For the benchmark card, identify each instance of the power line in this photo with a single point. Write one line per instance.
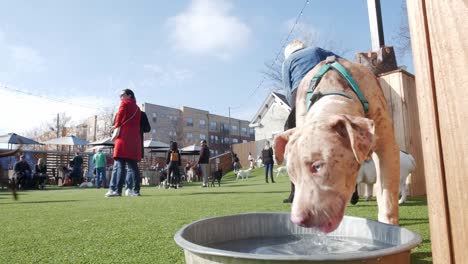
(282, 46)
(46, 98)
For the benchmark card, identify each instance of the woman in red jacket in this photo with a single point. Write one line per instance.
(127, 149)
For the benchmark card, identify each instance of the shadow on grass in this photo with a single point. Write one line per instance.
(200, 193)
(40, 202)
(413, 221)
(419, 257)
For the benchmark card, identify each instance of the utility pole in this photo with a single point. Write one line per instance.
(375, 23)
(382, 58)
(58, 125)
(95, 127)
(229, 130)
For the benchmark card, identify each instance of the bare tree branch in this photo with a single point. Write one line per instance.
(403, 38)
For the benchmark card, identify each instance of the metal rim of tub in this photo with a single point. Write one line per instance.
(414, 240)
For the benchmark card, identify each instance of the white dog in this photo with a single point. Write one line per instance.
(281, 171)
(244, 174)
(368, 176)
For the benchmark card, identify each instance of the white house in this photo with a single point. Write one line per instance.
(271, 117)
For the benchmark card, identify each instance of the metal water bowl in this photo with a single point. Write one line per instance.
(273, 238)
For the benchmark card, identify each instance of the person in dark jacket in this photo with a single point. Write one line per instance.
(267, 156)
(40, 175)
(173, 162)
(204, 162)
(23, 173)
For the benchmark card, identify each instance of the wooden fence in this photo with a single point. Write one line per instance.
(439, 34)
(400, 92)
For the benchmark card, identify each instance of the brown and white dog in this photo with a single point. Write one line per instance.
(330, 143)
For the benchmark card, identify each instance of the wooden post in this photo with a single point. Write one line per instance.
(439, 33)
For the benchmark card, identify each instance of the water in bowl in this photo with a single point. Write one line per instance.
(301, 245)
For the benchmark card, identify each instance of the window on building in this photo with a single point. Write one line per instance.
(172, 133)
(222, 141)
(154, 119)
(189, 137)
(235, 140)
(252, 131)
(244, 131)
(202, 137)
(234, 129)
(212, 139)
(202, 123)
(213, 126)
(189, 121)
(226, 140)
(216, 140)
(244, 141)
(153, 131)
(224, 128)
(154, 114)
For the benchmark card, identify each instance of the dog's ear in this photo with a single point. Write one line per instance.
(280, 144)
(359, 131)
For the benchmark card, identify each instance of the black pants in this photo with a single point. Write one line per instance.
(173, 174)
(291, 123)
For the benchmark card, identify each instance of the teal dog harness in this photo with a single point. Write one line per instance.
(331, 63)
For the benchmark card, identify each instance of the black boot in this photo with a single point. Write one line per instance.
(355, 197)
(291, 194)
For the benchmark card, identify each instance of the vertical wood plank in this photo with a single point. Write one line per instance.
(425, 91)
(417, 182)
(448, 34)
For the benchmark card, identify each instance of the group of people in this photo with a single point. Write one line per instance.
(26, 178)
(174, 161)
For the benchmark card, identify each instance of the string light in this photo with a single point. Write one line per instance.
(46, 98)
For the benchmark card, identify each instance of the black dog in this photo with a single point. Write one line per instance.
(217, 175)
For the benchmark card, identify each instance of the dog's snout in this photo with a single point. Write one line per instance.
(301, 219)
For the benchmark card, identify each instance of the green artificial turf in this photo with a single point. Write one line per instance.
(72, 225)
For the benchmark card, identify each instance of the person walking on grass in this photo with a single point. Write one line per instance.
(173, 162)
(267, 154)
(204, 162)
(99, 160)
(127, 149)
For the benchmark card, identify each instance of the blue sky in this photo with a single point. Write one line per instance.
(76, 56)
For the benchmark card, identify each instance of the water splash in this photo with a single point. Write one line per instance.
(310, 244)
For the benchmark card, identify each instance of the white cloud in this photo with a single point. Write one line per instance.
(207, 27)
(163, 75)
(27, 59)
(19, 58)
(22, 112)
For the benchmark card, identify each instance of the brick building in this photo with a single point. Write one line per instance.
(189, 125)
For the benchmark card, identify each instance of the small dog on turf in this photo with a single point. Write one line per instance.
(243, 174)
(217, 175)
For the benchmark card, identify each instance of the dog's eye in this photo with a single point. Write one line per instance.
(316, 167)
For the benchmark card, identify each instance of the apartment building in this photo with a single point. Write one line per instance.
(189, 125)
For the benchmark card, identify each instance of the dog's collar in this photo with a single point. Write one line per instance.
(312, 97)
(331, 63)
